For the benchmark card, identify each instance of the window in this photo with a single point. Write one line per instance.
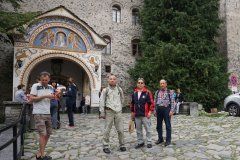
(108, 69)
(116, 13)
(135, 16)
(107, 49)
(136, 47)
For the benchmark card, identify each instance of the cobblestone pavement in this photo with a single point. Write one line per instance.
(193, 138)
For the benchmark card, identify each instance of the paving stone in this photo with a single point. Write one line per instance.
(56, 155)
(225, 154)
(169, 158)
(91, 158)
(215, 147)
(192, 138)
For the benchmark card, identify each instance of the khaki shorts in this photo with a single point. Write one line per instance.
(43, 124)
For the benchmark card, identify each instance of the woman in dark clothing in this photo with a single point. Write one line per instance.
(178, 100)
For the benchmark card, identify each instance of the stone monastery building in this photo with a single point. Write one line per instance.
(88, 39)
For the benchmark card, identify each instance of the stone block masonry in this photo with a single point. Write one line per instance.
(6, 68)
(98, 15)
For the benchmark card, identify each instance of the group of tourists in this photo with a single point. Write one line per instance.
(142, 107)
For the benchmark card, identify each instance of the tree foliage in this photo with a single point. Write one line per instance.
(178, 45)
(13, 19)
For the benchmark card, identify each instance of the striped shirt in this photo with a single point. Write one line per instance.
(161, 98)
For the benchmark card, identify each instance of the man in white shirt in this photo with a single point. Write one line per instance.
(41, 94)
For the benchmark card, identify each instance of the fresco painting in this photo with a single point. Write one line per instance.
(60, 38)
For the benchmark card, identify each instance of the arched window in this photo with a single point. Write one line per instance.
(107, 49)
(116, 13)
(135, 16)
(136, 47)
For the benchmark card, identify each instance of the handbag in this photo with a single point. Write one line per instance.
(131, 126)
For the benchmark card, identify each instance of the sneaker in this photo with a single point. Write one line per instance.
(149, 145)
(106, 150)
(123, 149)
(139, 145)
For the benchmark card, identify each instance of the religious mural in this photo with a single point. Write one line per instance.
(63, 22)
(60, 38)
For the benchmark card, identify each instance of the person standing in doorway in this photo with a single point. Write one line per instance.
(87, 104)
(71, 100)
(164, 110)
(142, 106)
(20, 95)
(41, 94)
(111, 103)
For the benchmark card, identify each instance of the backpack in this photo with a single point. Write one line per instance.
(107, 90)
(106, 94)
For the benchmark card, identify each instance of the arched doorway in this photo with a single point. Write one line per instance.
(60, 70)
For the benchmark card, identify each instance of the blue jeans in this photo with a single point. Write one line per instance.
(163, 114)
(70, 107)
(54, 115)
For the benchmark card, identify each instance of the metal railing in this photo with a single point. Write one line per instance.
(18, 128)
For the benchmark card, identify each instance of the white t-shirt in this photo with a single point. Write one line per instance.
(43, 106)
(139, 94)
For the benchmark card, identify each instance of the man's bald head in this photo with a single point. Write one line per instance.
(112, 80)
(163, 84)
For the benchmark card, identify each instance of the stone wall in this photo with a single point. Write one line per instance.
(98, 14)
(232, 11)
(6, 68)
(221, 40)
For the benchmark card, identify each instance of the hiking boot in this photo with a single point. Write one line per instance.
(159, 142)
(167, 144)
(139, 145)
(149, 145)
(123, 149)
(106, 150)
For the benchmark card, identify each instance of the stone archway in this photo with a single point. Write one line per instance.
(34, 62)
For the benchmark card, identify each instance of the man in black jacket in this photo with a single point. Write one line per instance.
(71, 100)
(142, 106)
